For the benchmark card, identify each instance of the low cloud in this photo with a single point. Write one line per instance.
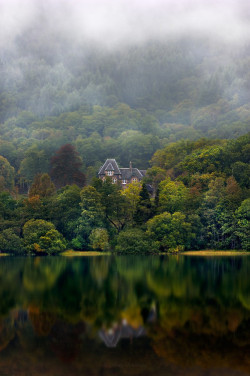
(113, 22)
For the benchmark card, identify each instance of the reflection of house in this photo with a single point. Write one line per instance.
(124, 175)
(127, 329)
(112, 336)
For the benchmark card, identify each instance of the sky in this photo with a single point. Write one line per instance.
(114, 22)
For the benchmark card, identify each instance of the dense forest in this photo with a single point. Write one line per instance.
(200, 200)
(178, 107)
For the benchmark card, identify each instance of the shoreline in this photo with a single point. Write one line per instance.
(214, 253)
(205, 253)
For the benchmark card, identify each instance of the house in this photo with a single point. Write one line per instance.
(123, 175)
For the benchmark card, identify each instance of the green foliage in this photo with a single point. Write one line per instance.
(41, 237)
(51, 243)
(35, 162)
(132, 241)
(114, 204)
(64, 209)
(132, 195)
(99, 239)
(10, 242)
(170, 232)
(243, 224)
(144, 208)
(173, 196)
(7, 174)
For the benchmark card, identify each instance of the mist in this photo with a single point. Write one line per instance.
(185, 62)
(112, 23)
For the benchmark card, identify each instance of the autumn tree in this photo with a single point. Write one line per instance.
(65, 167)
(42, 186)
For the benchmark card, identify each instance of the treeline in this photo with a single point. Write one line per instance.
(98, 133)
(201, 200)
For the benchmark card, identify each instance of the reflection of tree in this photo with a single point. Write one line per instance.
(42, 321)
(190, 307)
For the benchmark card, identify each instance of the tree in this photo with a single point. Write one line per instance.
(7, 174)
(173, 196)
(66, 164)
(35, 162)
(99, 239)
(171, 232)
(144, 207)
(132, 194)
(133, 241)
(41, 237)
(92, 216)
(115, 205)
(65, 210)
(243, 224)
(52, 242)
(154, 176)
(11, 242)
(42, 186)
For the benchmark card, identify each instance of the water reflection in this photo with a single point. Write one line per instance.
(125, 316)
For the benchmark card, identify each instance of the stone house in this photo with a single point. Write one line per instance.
(123, 175)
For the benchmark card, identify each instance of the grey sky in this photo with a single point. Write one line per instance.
(117, 21)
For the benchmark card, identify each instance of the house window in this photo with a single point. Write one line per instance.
(124, 181)
(114, 180)
(109, 173)
(134, 180)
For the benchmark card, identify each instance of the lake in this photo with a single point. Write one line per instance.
(125, 315)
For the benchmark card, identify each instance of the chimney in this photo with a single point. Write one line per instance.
(130, 166)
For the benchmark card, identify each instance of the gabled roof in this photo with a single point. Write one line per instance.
(110, 165)
(127, 173)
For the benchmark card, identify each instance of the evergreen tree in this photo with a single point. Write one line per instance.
(144, 207)
(66, 164)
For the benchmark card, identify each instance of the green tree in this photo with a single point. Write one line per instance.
(10, 242)
(64, 210)
(170, 232)
(41, 236)
(144, 207)
(7, 174)
(132, 195)
(92, 216)
(35, 162)
(51, 243)
(115, 206)
(173, 196)
(134, 241)
(99, 239)
(243, 224)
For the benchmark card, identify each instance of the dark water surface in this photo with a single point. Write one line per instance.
(125, 315)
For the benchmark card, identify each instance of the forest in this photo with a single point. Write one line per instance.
(200, 200)
(178, 107)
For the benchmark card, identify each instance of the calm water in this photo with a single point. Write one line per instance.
(125, 316)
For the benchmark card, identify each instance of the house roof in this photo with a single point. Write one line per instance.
(110, 165)
(127, 173)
